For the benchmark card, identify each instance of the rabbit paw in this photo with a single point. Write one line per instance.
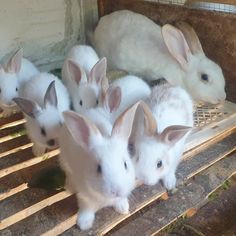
(38, 150)
(170, 181)
(122, 206)
(85, 220)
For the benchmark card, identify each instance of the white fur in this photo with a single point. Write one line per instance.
(10, 81)
(108, 149)
(134, 43)
(87, 90)
(170, 106)
(85, 56)
(48, 117)
(133, 89)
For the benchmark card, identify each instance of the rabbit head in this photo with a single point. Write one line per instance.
(43, 123)
(9, 82)
(154, 153)
(106, 161)
(203, 78)
(87, 90)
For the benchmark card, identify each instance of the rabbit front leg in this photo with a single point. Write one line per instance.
(170, 180)
(86, 215)
(122, 206)
(38, 150)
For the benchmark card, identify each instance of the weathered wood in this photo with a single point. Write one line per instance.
(215, 30)
(189, 195)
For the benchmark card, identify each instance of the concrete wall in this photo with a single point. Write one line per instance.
(46, 29)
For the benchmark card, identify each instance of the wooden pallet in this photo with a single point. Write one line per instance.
(209, 159)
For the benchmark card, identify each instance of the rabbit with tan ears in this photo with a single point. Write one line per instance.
(85, 92)
(102, 174)
(13, 76)
(43, 100)
(134, 43)
(159, 134)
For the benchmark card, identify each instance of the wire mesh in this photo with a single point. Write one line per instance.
(219, 7)
(206, 114)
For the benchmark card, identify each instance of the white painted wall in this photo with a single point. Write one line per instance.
(46, 29)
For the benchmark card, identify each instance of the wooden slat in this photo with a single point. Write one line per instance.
(10, 119)
(189, 195)
(32, 209)
(27, 163)
(13, 191)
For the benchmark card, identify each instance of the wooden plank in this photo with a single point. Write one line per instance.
(192, 194)
(12, 131)
(32, 209)
(28, 163)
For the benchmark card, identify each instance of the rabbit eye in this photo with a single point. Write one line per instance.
(0, 90)
(159, 164)
(43, 132)
(125, 165)
(16, 89)
(81, 103)
(99, 169)
(97, 101)
(204, 78)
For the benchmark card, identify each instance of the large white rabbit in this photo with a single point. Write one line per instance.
(13, 76)
(43, 100)
(134, 43)
(84, 90)
(159, 135)
(98, 164)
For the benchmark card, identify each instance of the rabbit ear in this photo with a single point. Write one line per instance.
(51, 95)
(112, 98)
(191, 37)
(76, 72)
(29, 107)
(176, 45)
(124, 123)
(14, 64)
(149, 120)
(81, 128)
(174, 133)
(98, 72)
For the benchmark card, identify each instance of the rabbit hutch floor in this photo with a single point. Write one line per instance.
(209, 160)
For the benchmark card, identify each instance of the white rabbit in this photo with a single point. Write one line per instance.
(159, 143)
(132, 89)
(44, 98)
(98, 164)
(13, 76)
(134, 43)
(84, 91)
(83, 55)
(120, 95)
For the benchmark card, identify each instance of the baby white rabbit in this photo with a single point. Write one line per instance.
(83, 55)
(13, 76)
(98, 164)
(44, 98)
(84, 91)
(159, 143)
(132, 89)
(134, 43)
